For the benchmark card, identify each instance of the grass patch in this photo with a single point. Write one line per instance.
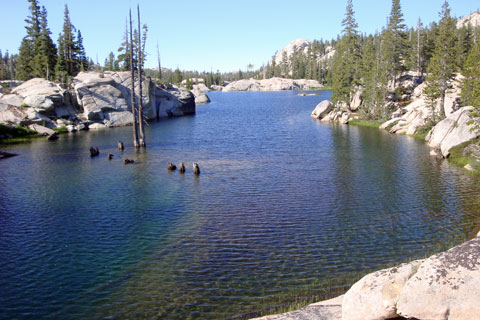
(320, 88)
(60, 130)
(366, 123)
(422, 133)
(458, 158)
(16, 134)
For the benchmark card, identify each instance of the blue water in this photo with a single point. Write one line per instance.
(283, 202)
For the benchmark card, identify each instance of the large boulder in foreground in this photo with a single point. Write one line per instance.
(443, 286)
(452, 131)
(446, 286)
(322, 109)
(375, 296)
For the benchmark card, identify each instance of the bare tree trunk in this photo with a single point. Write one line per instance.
(419, 64)
(132, 89)
(140, 100)
(159, 65)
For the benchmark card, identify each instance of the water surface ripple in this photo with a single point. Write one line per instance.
(283, 202)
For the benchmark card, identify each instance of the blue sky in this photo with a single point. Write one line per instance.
(213, 34)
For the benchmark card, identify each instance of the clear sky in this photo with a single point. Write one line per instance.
(213, 34)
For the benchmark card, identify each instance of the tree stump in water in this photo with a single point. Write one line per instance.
(196, 169)
(181, 167)
(171, 167)
(120, 145)
(110, 156)
(127, 161)
(94, 151)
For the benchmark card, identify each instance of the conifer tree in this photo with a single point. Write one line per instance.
(82, 60)
(346, 61)
(30, 43)
(443, 63)
(124, 52)
(465, 43)
(46, 54)
(61, 73)
(69, 44)
(395, 43)
(471, 83)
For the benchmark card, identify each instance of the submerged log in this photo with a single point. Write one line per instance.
(94, 151)
(196, 169)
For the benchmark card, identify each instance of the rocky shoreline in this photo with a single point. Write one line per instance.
(94, 101)
(412, 117)
(273, 84)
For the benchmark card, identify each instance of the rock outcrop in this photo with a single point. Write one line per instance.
(322, 109)
(273, 84)
(375, 296)
(200, 92)
(98, 100)
(446, 286)
(324, 310)
(417, 115)
(443, 286)
(453, 131)
(106, 98)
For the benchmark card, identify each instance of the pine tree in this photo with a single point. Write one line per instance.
(465, 43)
(30, 43)
(61, 73)
(395, 44)
(82, 60)
(443, 63)
(471, 83)
(346, 61)
(46, 54)
(124, 52)
(69, 44)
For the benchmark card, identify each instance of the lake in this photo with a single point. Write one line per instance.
(285, 208)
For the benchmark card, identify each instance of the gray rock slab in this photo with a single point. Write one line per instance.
(446, 286)
(325, 310)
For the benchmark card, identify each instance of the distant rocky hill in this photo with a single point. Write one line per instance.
(301, 59)
(301, 45)
(273, 84)
(472, 19)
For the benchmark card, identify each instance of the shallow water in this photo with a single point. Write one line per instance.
(282, 201)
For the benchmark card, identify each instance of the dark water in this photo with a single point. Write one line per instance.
(283, 201)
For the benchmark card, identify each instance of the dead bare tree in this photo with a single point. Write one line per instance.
(132, 88)
(140, 80)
